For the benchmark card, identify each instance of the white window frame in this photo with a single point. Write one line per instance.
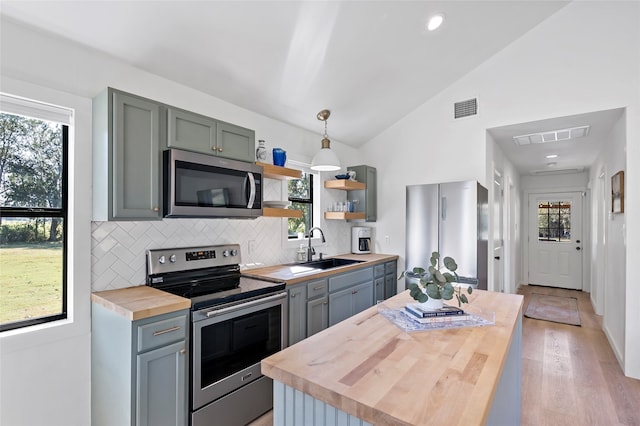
(78, 321)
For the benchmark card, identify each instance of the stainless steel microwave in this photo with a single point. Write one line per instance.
(201, 185)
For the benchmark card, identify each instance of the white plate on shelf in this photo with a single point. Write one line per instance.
(276, 204)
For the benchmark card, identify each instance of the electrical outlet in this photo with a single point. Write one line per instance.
(251, 246)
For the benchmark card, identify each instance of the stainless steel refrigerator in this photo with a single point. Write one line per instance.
(451, 218)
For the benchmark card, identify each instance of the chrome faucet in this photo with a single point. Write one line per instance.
(311, 251)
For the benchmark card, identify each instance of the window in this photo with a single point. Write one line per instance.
(554, 221)
(33, 213)
(301, 197)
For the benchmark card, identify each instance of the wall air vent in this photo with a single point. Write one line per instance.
(465, 108)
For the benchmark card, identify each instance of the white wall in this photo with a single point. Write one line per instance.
(44, 373)
(609, 257)
(584, 58)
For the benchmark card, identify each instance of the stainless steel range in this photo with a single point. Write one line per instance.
(235, 322)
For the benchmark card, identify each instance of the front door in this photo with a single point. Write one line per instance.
(555, 239)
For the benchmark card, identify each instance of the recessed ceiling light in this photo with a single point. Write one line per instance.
(552, 156)
(435, 21)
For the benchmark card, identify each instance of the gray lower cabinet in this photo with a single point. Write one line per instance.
(390, 280)
(350, 293)
(139, 369)
(367, 198)
(297, 298)
(128, 133)
(317, 306)
(195, 132)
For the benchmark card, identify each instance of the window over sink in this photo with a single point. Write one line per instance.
(301, 194)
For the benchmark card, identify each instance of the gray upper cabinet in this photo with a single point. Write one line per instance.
(368, 197)
(195, 132)
(127, 138)
(236, 142)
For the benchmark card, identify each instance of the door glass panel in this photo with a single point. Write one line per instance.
(554, 221)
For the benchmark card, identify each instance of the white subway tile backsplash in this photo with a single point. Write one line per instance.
(118, 248)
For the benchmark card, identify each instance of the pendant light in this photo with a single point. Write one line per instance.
(325, 160)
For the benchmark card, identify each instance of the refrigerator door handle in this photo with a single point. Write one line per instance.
(444, 208)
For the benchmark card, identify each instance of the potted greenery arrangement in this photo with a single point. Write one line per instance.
(435, 284)
(300, 230)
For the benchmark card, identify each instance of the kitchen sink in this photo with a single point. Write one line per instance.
(329, 263)
(320, 265)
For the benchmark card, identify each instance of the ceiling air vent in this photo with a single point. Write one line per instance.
(465, 108)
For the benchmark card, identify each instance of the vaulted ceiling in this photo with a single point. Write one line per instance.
(369, 62)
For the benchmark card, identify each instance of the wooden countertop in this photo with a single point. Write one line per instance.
(140, 302)
(286, 272)
(369, 368)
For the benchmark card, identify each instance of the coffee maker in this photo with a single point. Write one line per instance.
(360, 240)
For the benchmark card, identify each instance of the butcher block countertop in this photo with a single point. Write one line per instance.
(371, 369)
(140, 302)
(285, 272)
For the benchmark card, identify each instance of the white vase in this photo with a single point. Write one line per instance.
(432, 304)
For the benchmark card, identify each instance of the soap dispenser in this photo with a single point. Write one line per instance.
(302, 254)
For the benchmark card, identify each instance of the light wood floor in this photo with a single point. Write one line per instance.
(570, 375)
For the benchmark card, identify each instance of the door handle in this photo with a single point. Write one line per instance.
(578, 248)
(496, 257)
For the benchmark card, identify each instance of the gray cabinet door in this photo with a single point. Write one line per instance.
(317, 315)
(136, 158)
(297, 313)
(190, 131)
(378, 290)
(362, 297)
(236, 142)
(390, 280)
(350, 301)
(339, 306)
(390, 287)
(161, 383)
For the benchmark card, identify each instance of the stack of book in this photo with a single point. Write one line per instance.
(445, 314)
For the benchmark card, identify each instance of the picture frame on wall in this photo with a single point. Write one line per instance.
(617, 192)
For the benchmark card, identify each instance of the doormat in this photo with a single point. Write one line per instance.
(559, 309)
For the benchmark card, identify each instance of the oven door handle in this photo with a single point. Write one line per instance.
(259, 301)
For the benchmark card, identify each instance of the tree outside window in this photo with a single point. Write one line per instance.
(33, 162)
(301, 197)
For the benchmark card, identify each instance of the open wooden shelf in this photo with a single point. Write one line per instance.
(274, 212)
(277, 172)
(344, 215)
(344, 184)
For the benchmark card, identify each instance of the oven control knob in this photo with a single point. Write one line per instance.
(172, 258)
(225, 253)
(234, 252)
(162, 260)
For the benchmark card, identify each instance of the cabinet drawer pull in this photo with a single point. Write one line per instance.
(320, 287)
(155, 209)
(293, 295)
(220, 149)
(183, 351)
(246, 376)
(168, 330)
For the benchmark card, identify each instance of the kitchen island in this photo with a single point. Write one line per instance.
(365, 370)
